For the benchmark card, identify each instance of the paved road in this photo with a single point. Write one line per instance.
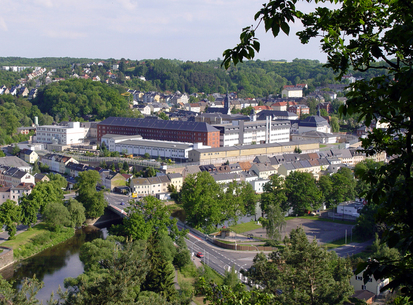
(220, 260)
(323, 231)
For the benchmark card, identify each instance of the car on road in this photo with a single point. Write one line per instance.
(200, 255)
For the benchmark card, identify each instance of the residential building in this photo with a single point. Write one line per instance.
(150, 186)
(40, 178)
(372, 284)
(155, 129)
(258, 185)
(13, 161)
(225, 178)
(57, 163)
(299, 109)
(314, 123)
(15, 192)
(177, 180)
(110, 179)
(12, 176)
(263, 171)
(28, 155)
(73, 169)
(292, 92)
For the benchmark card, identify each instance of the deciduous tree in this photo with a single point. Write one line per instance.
(302, 272)
(302, 192)
(365, 36)
(93, 201)
(201, 199)
(10, 215)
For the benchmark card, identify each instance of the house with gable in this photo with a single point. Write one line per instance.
(13, 161)
(12, 176)
(177, 180)
(263, 171)
(28, 155)
(111, 179)
(57, 163)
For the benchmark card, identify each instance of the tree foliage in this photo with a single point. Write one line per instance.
(207, 205)
(93, 201)
(303, 273)
(365, 36)
(10, 215)
(145, 217)
(302, 192)
(56, 215)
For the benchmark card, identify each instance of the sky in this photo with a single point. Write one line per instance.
(139, 29)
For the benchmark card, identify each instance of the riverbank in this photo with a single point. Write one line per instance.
(39, 238)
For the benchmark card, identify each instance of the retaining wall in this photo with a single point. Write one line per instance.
(6, 256)
(241, 247)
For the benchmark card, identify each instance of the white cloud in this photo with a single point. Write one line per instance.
(3, 25)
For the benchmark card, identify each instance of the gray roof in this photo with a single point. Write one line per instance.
(225, 176)
(313, 121)
(192, 169)
(174, 175)
(341, 153)
(275, 114)
(156, 143)
(13, 162)
(158, 124)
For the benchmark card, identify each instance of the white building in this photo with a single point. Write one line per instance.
(314, 123)
(135, 145)
(254, 132)
(292, 92)
(64, 135)
(351, 208)
(258, 185)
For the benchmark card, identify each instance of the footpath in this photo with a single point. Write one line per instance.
(4, 236)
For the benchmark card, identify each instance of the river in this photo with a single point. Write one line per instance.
(54, 264)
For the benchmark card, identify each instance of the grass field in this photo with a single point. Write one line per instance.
(36, 240)
(25, 237)
(318, 218)
(244, 227)
(341, 242)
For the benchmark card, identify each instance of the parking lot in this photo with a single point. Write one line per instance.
(323, 231)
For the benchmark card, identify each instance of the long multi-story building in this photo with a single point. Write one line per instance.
(255, 132)
(71, 134)
(149, 128)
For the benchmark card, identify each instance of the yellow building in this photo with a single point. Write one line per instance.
(244, 153)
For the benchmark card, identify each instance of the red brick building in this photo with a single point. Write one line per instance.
(299, 109)
(156, 129)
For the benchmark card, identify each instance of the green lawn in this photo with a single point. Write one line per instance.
(345, 222)
(25, 237)
(341, 242)
(36, 240)
(244, 227)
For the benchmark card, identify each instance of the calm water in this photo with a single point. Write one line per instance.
(54, 264)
